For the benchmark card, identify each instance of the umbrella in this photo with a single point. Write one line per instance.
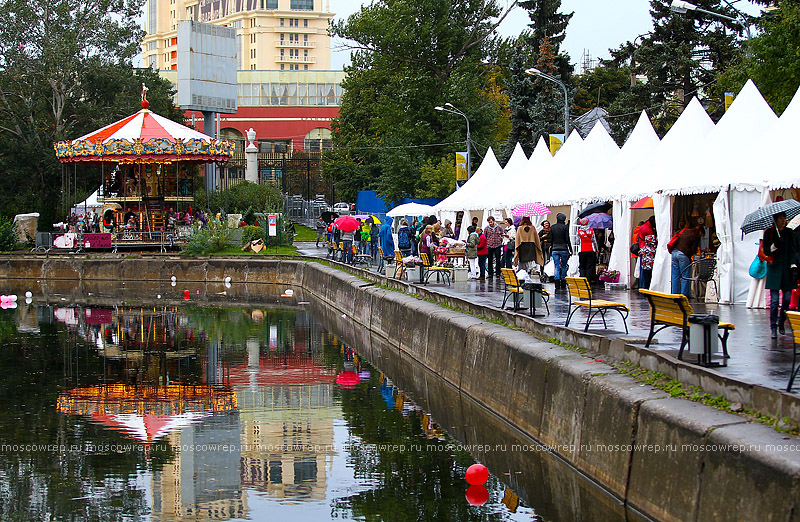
(762, 218)
(411, 209)
(367, 217)
(346, 223)
(329, 216)
(530, 210)
(645, 202)
(347, 379)
(600, 220)
(602, 206)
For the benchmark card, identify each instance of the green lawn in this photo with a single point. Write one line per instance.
(303, 233)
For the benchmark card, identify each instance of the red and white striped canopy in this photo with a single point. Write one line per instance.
(144, 137)
(144, 125)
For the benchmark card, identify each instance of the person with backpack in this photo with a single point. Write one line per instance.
(404, 243)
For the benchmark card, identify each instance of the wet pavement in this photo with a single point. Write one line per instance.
(755, 357)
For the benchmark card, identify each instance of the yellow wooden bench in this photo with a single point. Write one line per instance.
(581, 296)
(433, 269)
(794, 322)
(513, 287)
(674, 310)
(399, 267)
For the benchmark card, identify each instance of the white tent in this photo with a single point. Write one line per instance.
(671, 154)
(598, 151)
(729, 165)
(470, 194)
(411, 209)
(563, 169)
(634, 153)
(88, 205)
(525, 186)
(779, 158)
(496, 195)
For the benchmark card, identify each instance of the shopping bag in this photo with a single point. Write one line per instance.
(758, 268)
(674, 240)
(637, 271)
(795, 300)
(573, 266)
(550, 268)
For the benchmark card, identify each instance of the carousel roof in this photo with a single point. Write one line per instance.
(144, 137)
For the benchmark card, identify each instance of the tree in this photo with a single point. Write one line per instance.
(534, 102)
(65, 69)
(437, 179)
(772, 59)
(680, 59)
(548, 23)
(408, 58)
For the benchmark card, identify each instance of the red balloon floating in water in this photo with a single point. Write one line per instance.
(477, 495)
(477, 474)
(186, 295)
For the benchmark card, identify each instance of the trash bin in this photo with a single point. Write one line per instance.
(703, 334)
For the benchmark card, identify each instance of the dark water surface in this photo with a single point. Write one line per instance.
(182, 412)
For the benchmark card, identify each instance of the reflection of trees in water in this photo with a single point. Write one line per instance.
(425, 481)
(41, 484)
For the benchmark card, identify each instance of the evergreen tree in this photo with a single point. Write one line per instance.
(534, 102)
(548, 23)
(680, 59)
(772, 60)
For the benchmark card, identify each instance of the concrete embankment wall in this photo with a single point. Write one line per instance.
(667, 458)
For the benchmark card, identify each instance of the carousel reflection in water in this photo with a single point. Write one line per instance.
(235, 414)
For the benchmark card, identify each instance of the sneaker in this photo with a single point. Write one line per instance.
(774, 333)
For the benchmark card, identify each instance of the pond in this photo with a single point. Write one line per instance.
(185, 412)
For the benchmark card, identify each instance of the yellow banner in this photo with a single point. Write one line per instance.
(461, 166)
(555, 143)
(729, 96)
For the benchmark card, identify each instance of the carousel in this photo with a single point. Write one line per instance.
(147, 412)
(144, 162)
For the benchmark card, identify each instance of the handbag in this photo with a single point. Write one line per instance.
(758, 268)
(671, 244)
(550, 268)
(635, 249)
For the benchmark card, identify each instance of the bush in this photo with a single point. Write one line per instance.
(250, 233)
(242, 198)
(8, 238)
(214, 238)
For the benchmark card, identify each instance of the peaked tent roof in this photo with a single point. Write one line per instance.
(573, 171)
(524, 188)
(780, 155)
(569, 154)
(635, 153)
(496, 194)
(672, 153)
(729, 154)
(488, 172)
(599, 149)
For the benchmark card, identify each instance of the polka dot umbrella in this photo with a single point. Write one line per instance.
(530, 210)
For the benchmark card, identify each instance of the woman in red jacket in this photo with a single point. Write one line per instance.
(483, 253)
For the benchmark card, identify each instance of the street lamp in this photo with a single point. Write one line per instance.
(448, 107)
(533, 71)
(681, 7)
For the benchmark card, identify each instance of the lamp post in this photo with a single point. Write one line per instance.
(681, 7)
(533, 71)
(448, 107)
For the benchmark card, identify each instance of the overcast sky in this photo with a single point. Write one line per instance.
(596, 26)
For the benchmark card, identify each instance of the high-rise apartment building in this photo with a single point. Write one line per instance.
(286, 35)
(287, 91)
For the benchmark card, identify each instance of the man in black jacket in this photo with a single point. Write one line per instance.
(561, 249)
